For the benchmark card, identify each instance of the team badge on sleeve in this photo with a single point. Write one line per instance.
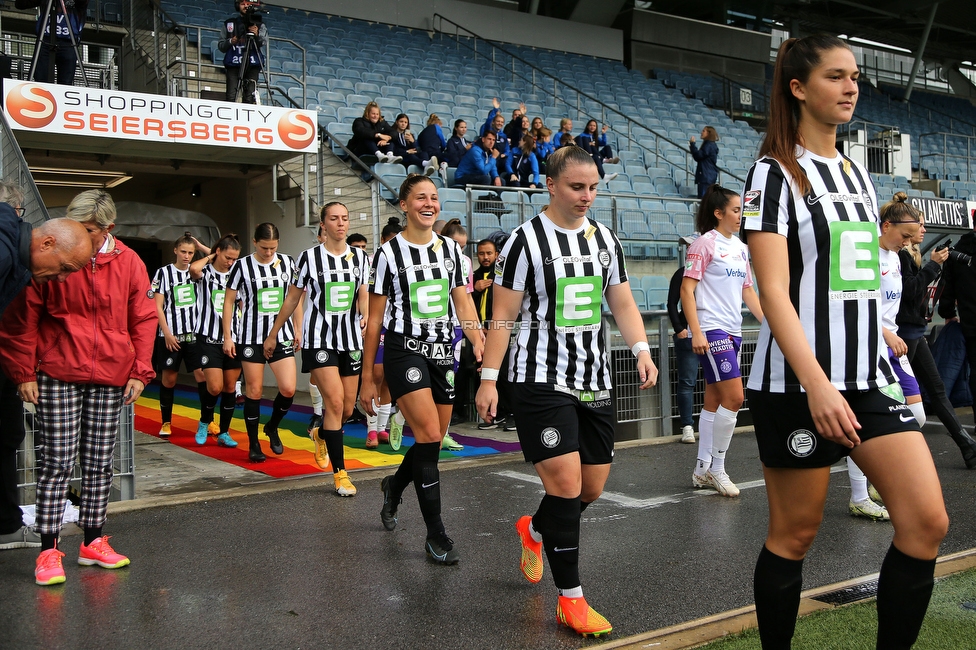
(500, 265)
(751, 202)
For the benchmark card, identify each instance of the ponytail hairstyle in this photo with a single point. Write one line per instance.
(228, 241)
(716, 198)
(325, 209)
(369, 107)
(453, 227)
(391, 228)
(563, 157)
(185, 239)
(412, 181)
(266, 231)
(796, 59)
(434, 119)
(528, 143)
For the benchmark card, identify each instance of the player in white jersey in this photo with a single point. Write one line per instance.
(221, 372)
(717, 280)
(550, 280)
(334, 275)
(176, 309)
(821, 386)
(260, 281)
(417, 292)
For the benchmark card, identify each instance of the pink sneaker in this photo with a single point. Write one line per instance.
(384, 437)
(372, 440)
(99, 552)
(48, 570)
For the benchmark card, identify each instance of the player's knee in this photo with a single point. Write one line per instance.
(589, 495)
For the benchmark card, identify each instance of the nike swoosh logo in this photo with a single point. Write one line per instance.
(427, 485)
(884, 273)
(560, 550)
(549, 260)
(442, 556)
(901, 416)
(813, 200)
(251, 419)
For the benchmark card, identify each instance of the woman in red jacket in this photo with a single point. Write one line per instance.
(79, 349)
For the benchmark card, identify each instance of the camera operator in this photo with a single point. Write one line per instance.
(959, 292)
(65, 58)
(242, 42)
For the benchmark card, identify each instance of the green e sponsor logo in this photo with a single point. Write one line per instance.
(428, 299)
(270, 300)
(854, 260)
(578, 301)
(184, 295)
(217, 298)
(339, 296)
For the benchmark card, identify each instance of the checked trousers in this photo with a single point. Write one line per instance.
(75, 421)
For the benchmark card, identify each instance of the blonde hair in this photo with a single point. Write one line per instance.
(369, 107)
(94, 206)
(434, 119)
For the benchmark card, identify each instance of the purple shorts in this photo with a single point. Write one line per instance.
(458, 338)
(721, 362)
(904, 374)
(379, 350)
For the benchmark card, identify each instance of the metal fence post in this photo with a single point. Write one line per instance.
(664, 375)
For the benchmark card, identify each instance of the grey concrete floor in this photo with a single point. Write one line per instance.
(301, 567)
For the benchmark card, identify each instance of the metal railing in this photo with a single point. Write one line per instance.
(880, 142)
(555, 82)
(97, 74)
(941, 146)
(13, 169)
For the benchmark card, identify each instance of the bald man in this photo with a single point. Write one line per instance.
(51, 251)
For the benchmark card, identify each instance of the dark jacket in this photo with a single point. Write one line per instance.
(912, 318)
(234, 54)
(364, 131)
(960, 287)
(76, 18)
(400, 144)
(675, 315)
(15, 238)
(455, 150)
(431, 142)
(707, 171)
(482, 299)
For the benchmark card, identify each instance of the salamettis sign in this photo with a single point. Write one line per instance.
(948, 213)
(71, 110)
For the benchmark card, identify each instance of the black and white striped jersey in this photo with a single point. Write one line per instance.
(417, 281)
(332, 282)
(261, 289)
(563, 275)
(835, 274)
(179, 299)
(210, 304)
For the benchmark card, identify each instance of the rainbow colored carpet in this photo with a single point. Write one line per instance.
(297, 459)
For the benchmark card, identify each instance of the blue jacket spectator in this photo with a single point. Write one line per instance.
(496, 124)
(706, 174)
(457, 146)
(478, 167)
(525, 164)
(595, 142)
(431, 140)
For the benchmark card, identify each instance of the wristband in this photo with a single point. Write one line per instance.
(489, 374)
(640, 346)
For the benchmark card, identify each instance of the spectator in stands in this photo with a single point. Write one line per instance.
(242, 42)
(567, 140)
(431, 142)
(52, 250)
(515, 128)
(596, 143)
(63, 54)
(478, 165)
(525, 165)
(496, 124)
(543, 147)
(565, 126)
(537, 126)
(79, 388)
(405, 147)
(371, 136)
(457, 146)
(356, 240)
(707, 157)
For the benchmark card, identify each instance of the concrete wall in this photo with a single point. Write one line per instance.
(487, 22)
(659, 40)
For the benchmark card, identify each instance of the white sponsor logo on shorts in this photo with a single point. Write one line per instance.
(248, 352)
(321, 356)
(169, 361)
(802, 443)
(413, 375)
(550, 437)
(204, 359)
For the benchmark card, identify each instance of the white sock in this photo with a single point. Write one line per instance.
(919, 412)
(722, 428)
(316, 396)
(383, 416)
(371, 422)
(705, 424)
(859, 482)
(536, 535)
(575, 592)
(238, 388)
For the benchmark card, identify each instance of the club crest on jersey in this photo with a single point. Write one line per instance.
(751, 201)
(321, 356)
(248, 352)
(550, 437)
(604, 257)
(802, 443)
(449, 265)
(726, 367)
(866, 197)
(356, 271)
(413, 375)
